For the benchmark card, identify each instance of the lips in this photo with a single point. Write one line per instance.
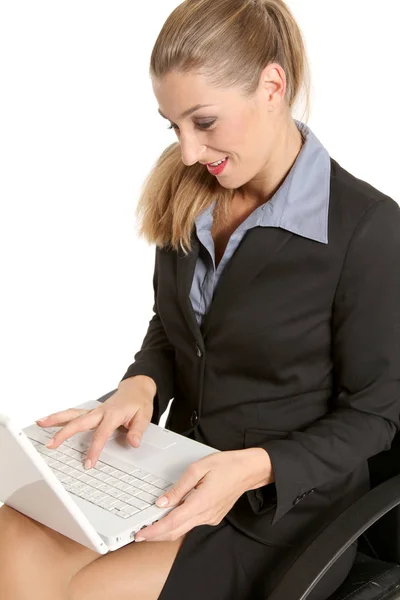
(219, 168)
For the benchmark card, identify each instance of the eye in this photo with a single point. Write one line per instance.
(200, 125)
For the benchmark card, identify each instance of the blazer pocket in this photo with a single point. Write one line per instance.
(254, 436)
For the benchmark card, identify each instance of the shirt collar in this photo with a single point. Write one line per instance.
(301, 203)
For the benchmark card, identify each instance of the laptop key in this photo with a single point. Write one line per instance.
(96, 494)
(102, 476)
(77, 485)
(145, 496)
(125, 514)
(73, 453)
(138, 503)
(146, 487)
(119, 505)
(125, 487)
(150, 478)
(62, 468)
(120, 485)
(124, 497)
(119, 513)
(114, 492)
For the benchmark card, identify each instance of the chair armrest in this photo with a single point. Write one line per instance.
(321, 550)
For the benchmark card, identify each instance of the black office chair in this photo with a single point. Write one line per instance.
(374, 519)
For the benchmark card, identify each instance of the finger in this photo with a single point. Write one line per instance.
(182, 519)
(139, 425)
(175, 523)
(59, 419)
(87, 421)
(172, 536)
(101, 436)
(181, 488)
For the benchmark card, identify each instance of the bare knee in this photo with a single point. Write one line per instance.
(41, 544)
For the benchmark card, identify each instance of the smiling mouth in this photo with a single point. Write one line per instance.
(210, 163)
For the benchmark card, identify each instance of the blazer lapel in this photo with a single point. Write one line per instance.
(257, 248)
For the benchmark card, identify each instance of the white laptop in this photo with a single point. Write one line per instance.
(102, 507)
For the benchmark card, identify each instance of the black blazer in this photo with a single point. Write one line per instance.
(299, 354)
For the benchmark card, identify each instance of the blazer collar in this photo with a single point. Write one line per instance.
(252, 255)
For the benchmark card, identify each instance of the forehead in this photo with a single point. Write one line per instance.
(179, 95)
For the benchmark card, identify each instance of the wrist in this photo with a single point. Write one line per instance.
(258, 467)
(145, 382)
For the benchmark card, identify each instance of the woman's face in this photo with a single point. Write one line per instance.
(247, 131)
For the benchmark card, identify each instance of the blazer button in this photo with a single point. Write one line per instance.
(296, 500)
(194, 418)
(198, 351)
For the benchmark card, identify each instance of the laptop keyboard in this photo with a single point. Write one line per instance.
(122, 493)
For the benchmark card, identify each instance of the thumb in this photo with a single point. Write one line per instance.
(178, 491)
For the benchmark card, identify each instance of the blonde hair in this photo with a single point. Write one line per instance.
(246, 36)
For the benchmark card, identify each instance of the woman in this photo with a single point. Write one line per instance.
(276, 329)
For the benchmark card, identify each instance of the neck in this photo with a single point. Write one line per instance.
(256, 193)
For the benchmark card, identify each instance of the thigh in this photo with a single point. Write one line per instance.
(137, 570)
(44, 548)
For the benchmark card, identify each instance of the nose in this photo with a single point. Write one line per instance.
(192, 152)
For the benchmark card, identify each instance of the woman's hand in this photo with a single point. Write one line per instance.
(131, 406)
(215, 481)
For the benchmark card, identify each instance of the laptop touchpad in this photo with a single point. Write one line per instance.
(153, 435)
(120, 446)
(158, 437)
(154, 439)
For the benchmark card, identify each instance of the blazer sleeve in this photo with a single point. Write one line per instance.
(156, 357)
(365, 330)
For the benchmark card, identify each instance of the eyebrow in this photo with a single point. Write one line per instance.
(189, 111)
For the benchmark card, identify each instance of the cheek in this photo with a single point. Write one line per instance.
(241, 136)
(233, 139)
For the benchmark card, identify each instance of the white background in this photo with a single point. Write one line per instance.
(79, 132)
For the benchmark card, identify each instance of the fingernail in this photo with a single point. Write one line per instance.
(137, 440)
(140, 539)
(49, 443)
(163, 501)
(88, 464)
(42, 419)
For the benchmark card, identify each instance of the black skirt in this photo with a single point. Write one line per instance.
(222, 563)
